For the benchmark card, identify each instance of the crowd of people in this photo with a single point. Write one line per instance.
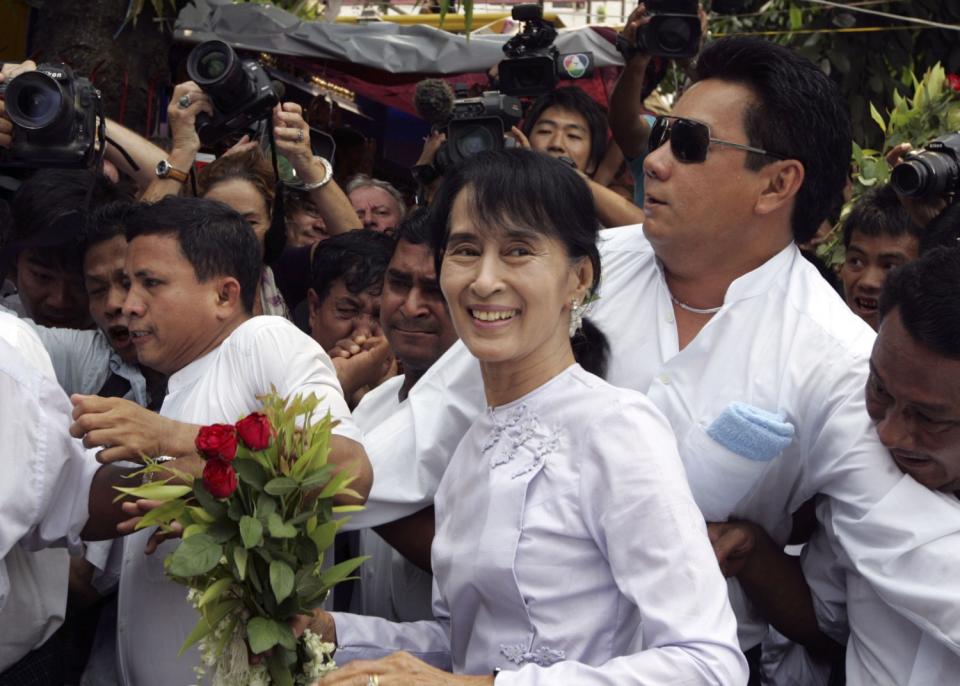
(600, 439)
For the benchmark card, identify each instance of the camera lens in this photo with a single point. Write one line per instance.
(674, 35)
(910, 177)
(36, 102)
(214, 67)
(473, 140)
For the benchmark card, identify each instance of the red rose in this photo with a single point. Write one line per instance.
(954, 81)
(254, 430)
(219, 478)
(217, 440)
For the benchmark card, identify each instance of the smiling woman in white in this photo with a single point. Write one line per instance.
(569, 549)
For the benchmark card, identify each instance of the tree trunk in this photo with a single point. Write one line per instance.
(81, 34)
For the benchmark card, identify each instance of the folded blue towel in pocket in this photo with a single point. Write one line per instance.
(750, 432)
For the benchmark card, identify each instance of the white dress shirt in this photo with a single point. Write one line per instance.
(44, 493)
(221, 387)
(785, 342)
(568, 551)
(390, 585)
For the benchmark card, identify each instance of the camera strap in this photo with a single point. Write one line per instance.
(275, 240)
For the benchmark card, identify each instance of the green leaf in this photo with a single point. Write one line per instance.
(281, 580)
(214, 507)
(796, 18)
(339, 572)
(323, 536)
(281, 486)
(280, 673)
(262, 634)
(195, 556)
(278, 529)
(318, 477)
(266, 506)
(251, 531)
(340, 480)
(250, 473)
(222, 531)
(240, 560)
(164, 514)
(208, 622)
(215, 590)
(155, 491)
(878, 118)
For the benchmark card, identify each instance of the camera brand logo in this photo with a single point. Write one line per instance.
(576, 65)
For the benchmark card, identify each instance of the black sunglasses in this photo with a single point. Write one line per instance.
(690, 139)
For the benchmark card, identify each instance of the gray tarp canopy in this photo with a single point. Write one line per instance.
(394, 48)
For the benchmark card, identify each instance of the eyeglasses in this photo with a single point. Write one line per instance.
(690, 139)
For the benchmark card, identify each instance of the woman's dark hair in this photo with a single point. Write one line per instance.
(925, 292)
(212, 237)
(358, 258)
(796, 112)
(573, 99)
(253, 167)
(540, 193)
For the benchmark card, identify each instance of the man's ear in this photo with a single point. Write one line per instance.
(228, 295)
(313, 307)
(782, 183)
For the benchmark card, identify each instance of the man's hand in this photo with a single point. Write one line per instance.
(9, 71)
(292, 136)
(921, 210)
(127, 431)
(362, 361)
(733, 543)
(431, 144)
(183, 120)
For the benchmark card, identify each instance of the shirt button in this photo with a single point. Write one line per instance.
(670, 318)
(664, 379)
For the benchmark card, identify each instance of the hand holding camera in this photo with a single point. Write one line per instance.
(186, 103)
(926, 180)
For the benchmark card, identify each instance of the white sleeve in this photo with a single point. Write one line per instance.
(901, 537)
(45, 489)
(77, 359)
(411, 451)
(641, 514)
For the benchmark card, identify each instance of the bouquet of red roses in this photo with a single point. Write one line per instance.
(255, 528)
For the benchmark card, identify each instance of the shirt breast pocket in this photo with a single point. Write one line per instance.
(719, 478)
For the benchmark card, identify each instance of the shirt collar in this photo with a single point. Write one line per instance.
(193, 371)
(758, 281)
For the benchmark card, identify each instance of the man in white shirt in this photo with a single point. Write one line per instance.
(193, 267)
(53, 494)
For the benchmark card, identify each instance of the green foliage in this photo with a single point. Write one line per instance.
(253, 560)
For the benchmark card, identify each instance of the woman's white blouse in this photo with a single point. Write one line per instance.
(568, 550)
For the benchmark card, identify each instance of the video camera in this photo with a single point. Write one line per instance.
(475, 125)
(54, 117)
(673, 32)
(533, 65)
(933, 171)
(241, 90)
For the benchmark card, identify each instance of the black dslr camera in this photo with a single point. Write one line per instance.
(533, 65)
(933, 171)
(475, 125)
(54, 117)
(241, 90)
(673, 32)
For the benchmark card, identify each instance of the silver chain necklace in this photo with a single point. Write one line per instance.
(695, 310)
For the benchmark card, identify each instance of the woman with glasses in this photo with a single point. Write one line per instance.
(568, 547)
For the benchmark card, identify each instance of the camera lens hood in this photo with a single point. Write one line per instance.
(36, 102)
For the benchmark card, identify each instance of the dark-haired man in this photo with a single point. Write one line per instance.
(192, 268)
(878, 236)
(344, 304)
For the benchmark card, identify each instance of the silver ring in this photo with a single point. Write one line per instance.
(299, 135)
(184, 101)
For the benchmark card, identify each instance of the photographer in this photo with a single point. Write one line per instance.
(629, 120)
(566, 123)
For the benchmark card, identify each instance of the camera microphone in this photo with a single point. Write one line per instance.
(433, 100)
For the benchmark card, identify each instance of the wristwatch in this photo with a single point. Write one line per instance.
(166, 170)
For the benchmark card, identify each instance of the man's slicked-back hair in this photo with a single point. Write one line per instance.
(879, 212)
(573, 99)
(925, 294)
(797, 112)
(358, 258)
(215, 239)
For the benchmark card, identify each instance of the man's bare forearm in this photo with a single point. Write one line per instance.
(612, 208)
(143, 154)
(105, 514)
(630, 131)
